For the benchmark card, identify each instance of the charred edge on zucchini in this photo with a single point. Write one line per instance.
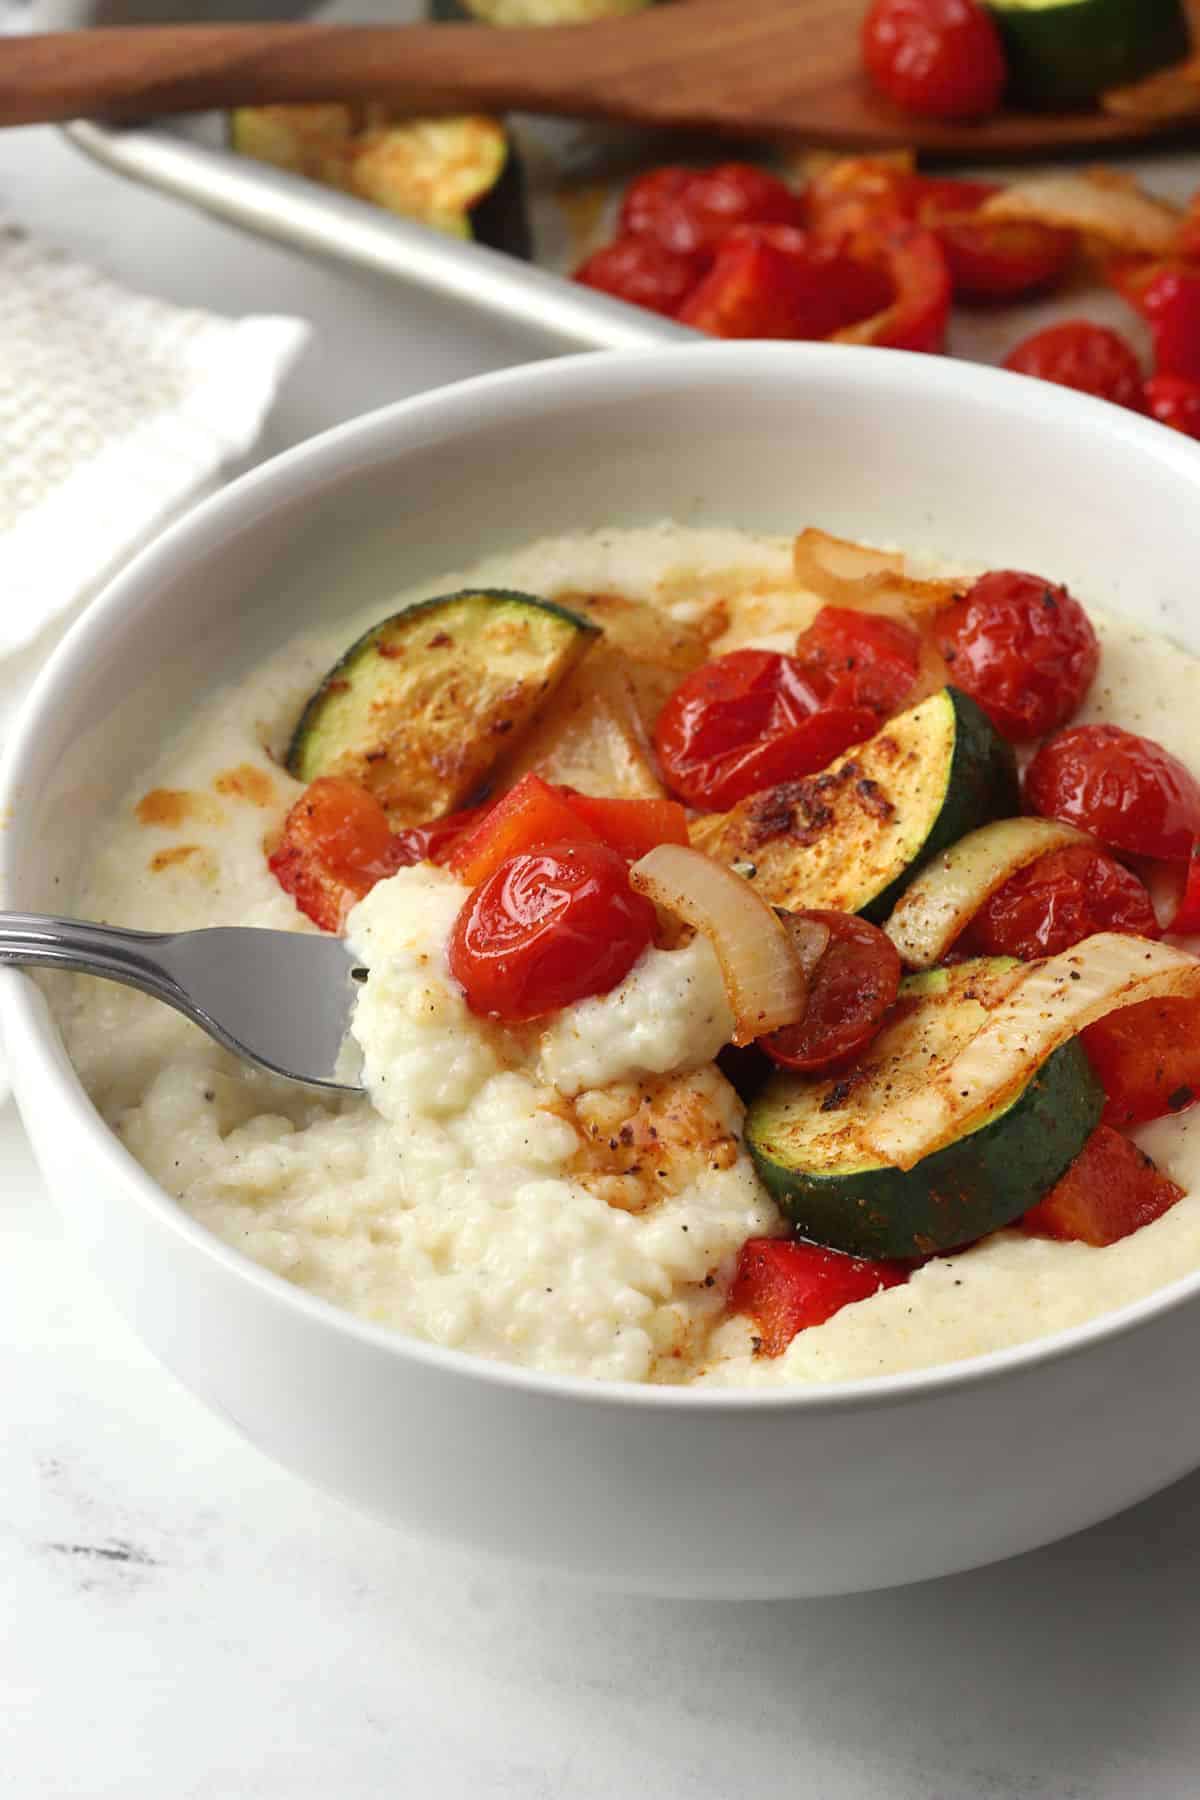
(422, 707)
(804, 1134)
(458, 175)
(854, 836)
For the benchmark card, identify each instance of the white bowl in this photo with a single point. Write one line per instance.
(657, 1489)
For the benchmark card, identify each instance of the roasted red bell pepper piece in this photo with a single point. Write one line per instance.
(632, 827)
(919, 311)
(772, 281)
(1147, 1058)
(1111, 1190)
(529, 817)
(786, 1287)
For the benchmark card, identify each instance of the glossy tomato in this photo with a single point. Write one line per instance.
(549, 927)
(786, 1287)
(867, 659)
(747, 721)
(1023, 648)
(941, 58)
(1077, 354)
(1147, 1058)
(643, 273)
(1062, 898)
(772, 281)
(1111, 1190)
(1124, 789)
(1003, 259)
(691, 210)
(335, 845)
(1187, 914)
(1174, 400)
(852, 990)
(1170, 301)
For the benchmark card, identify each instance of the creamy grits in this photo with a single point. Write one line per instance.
(571, 1194)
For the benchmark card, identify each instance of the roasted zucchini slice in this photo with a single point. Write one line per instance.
(456, 175)
(806, 1136)
(854, 836)
(422, 707)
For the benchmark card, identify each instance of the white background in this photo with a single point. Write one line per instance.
(179, 1619)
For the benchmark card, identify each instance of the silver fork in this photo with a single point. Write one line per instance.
(281, 999)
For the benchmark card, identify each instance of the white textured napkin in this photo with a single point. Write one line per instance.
(116, 411)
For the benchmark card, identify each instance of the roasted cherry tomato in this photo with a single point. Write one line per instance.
(941, 58)
(335, 845)
(1170, 301)
(747, 721)
(1062, 898)
(1077, 354)
(915, 264)
(434, 842)
(1174, 400)
(1023, 648)
(852, 990)
(690, 210)
(1147, 1058)
(1110, 1190)
(1003, 259)
(868, 660)
(772, 281)
(549, 927)
(1124, 789)
(786, 1287)
(1186, 922)
(641, 271)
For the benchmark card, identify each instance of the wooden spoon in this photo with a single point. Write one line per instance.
(751, 68)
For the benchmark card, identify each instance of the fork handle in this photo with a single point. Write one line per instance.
(134, 958)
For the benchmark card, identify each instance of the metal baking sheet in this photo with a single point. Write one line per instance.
(574, 173)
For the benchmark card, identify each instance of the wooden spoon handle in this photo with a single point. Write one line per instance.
(142, 71)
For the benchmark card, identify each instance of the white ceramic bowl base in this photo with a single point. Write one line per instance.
(661, 1490)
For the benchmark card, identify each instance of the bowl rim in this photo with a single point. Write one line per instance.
(410, 425)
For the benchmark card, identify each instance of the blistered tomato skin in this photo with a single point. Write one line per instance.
(941, 58)
(1065, 896)
(691, 210)
(1023, 648)
(869, 659)
(643, 273)
(1124, 789)
(548, 928)
(853, 988)
(1089, 358)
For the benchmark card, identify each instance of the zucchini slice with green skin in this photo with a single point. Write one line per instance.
(854, 836)
(1064, 52)
(806, 1136)
(458, 175)
(422, 706)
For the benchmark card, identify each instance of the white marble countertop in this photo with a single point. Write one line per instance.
(179, 1619)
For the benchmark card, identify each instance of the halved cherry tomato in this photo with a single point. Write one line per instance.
(1062, 898)
(1170, 300)
(1023, 648)
(940, 58)
(1174, 400)
(1111, 1190)
(1077, 354)
(547, 928)
(1124, 789)
(529, 816)
(641, 271)
(772, 281)
(747, 721)
(690, 210)
(335, 845)
(786, 1287)
(852, 990)
(919, 312)
(1147, 1058)
(631, 827)
(1186, 922)
(868, 659)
